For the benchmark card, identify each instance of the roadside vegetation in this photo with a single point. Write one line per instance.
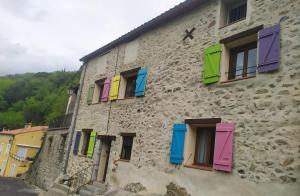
(35, 98)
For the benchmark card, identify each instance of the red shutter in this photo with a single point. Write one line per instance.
(105, 92)
(223, 147)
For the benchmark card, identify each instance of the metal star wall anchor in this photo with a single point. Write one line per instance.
(189, 34)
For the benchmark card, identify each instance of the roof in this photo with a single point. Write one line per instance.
(24, 130)
(165, 17)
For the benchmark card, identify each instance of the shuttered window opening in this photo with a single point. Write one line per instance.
(207, 144)
(99, 90)
(128, 83)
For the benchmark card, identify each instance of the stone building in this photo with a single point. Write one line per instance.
(51, 159)
(204, 97)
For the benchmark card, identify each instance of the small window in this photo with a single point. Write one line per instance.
(232, 11)
(7, 149)
(85, 141)
(205, 143)
(128, 83)
(237, 12)
(22, 153)
(126, 147)
(242, 62)
(50, 141)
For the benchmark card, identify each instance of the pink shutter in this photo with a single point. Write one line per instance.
(223, 147)
(105, 92)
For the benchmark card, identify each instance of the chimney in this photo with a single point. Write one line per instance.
(27, 125)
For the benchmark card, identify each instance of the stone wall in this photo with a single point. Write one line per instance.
(50, 161)
(265, 108)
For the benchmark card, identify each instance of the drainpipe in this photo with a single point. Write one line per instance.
(74, 117)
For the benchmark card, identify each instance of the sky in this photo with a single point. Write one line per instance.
(51, 35)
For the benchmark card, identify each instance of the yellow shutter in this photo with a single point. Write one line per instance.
(114, 88)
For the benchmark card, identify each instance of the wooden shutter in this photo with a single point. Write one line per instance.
(90, 94)
(105, 91)
(212, 57)
(268, 49)
(223, 147)
(177, 145)
(114, 88)
(92, 144)
(141, 82)
(77, 141)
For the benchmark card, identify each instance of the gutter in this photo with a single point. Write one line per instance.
(74, 118)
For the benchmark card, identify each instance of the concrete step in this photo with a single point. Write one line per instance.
(84, 192)
(61, 187)
(56, 192)
(99, 184)
(95, 189)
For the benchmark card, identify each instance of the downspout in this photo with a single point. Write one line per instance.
(117, 59)
(74, 117)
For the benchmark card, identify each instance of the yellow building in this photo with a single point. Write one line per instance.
(18, 149)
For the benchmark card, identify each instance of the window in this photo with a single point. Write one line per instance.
(98, 91)
(205, 142)
(22, 153)
(1, 147)
(232, 11)
(237, 12)
(85, 141)
(128, 83)
(126, 147)
(199, 144)
(242, 62)
(7, 149)
(50, 141)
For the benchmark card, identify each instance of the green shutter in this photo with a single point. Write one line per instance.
(212, 57)
(92, 144)
(90, 94)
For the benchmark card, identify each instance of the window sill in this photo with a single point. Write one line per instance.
(238, 79)
(81, 155)
(201, 167)
(226, 25)
(124, 160)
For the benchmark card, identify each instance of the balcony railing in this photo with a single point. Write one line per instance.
(61, 122)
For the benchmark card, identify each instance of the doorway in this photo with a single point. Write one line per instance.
(105, 146)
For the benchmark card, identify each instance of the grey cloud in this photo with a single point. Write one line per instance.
(51, 35)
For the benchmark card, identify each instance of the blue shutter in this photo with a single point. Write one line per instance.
(77, 141)
(176, 156)
(141, 82)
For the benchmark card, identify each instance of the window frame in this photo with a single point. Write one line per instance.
(100, 86)
(233, 57)
(130, 75)
(235, 5)
(190, 150)
(209, 151)
(85, 140)
(123, 156)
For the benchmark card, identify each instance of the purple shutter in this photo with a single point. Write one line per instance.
(105, 91)
(268, 49)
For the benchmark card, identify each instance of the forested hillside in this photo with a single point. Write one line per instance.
(36, 98)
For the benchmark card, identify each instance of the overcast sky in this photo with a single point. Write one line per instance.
(50, 35)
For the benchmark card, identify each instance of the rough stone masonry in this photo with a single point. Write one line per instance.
(265, 108)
